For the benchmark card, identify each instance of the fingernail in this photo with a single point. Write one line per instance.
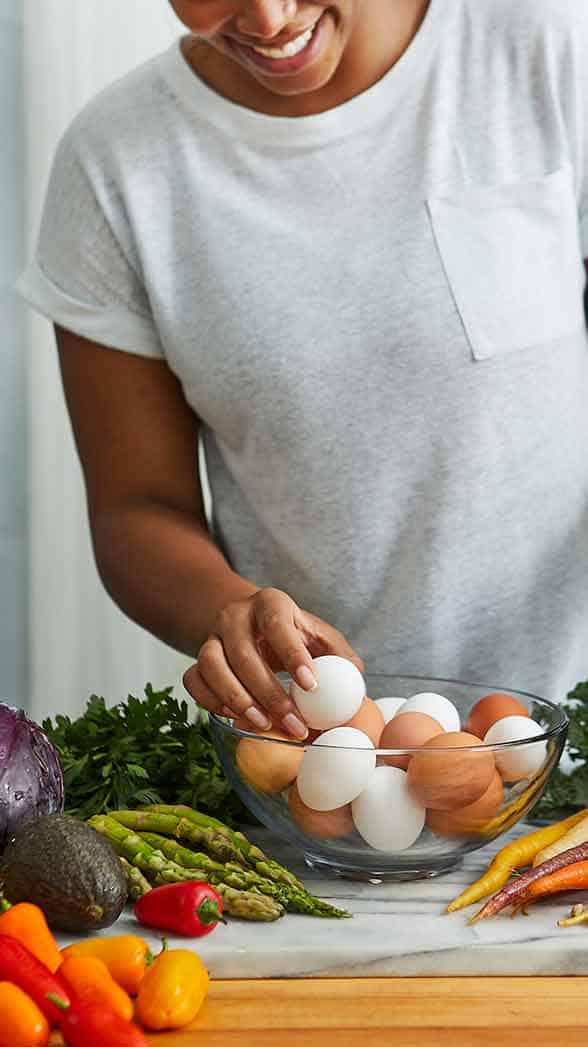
(257, 719)
(295, 726)
(306, 678)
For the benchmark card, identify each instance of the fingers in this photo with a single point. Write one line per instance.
(215, 686)
(322, 638)
(195, 686)
(275, 619)
(235, 673)
(258, 679)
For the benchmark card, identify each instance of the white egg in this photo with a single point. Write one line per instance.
(330, 776)
(435, 705)
(389, 707)
(386, 814)
(522, 761)
(340, 692)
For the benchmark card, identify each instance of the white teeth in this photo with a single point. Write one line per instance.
(288, 50)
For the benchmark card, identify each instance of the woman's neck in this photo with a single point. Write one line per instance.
(379, 39)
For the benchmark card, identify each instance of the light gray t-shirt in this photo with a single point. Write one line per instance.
(377, 314)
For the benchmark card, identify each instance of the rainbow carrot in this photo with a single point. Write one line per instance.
(572, 877)
(514, 856)
(514, 890)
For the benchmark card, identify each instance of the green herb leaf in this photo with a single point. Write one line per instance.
(141, 751)
(565, 793)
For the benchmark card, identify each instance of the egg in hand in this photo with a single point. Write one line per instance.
(336, 699)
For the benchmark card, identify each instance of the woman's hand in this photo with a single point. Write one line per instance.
(254, 638)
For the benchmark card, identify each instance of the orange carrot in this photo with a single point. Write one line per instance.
(513, 891)
(572, 877)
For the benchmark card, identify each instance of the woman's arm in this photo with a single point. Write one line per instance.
(137, 441)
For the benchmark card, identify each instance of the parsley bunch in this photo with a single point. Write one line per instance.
(569, 792)
(141, 751)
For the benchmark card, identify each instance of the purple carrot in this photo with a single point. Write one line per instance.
(517, 887)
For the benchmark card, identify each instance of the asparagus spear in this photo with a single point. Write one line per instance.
(244, 879)
(249, 905)
(248, 851)
(243, 904)
(137, 884)
(169, 825)
(235, 875)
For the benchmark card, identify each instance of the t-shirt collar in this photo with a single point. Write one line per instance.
(345, 119)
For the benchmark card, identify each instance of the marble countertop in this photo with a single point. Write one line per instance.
(397, 929)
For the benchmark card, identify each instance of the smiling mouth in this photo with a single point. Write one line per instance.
(291, 48)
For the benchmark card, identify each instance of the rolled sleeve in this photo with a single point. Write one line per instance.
(115, 326)
(86, 272)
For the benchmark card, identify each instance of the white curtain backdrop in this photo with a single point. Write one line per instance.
(80, 642)
(13, 509)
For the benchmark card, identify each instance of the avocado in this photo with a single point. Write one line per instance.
(66, 868)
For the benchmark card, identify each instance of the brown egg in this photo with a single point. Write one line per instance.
(325, 825)
(368, 719)
(266, 765)
(407, 731)
(446, 780)
(491, 708)
(470, 819)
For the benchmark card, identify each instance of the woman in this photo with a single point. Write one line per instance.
(341, 243)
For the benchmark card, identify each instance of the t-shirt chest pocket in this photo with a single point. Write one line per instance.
(511, 254)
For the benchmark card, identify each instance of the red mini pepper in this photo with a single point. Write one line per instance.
(192, 908)
(19, 966)
(87, 1024)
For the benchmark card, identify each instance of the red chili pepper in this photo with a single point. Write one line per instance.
(19, 966)
(87, 1024)
(191, 908)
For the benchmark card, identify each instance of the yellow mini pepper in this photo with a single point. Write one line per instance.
(172, 991)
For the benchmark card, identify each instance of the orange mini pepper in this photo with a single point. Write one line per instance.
(126, 956)
(89, 979)
(28, 925)
(172, 991)
(22, 1024)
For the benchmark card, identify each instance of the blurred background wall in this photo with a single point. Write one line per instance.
(13, 427)
(61, 638)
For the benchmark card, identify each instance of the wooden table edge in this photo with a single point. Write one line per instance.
(409, 1011)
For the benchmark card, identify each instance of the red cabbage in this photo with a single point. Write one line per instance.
(31, 778)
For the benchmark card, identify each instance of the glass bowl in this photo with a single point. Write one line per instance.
(443, 841)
